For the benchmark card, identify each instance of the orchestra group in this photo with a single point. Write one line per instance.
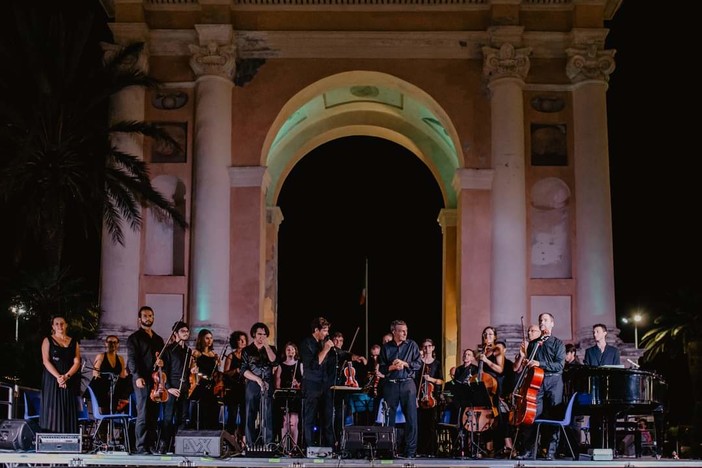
(304, 394)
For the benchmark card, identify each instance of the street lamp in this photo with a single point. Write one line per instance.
(635, 319)
(17, 310)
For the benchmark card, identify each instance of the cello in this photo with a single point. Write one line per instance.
(526, 389)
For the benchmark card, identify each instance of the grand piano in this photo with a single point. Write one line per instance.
(610, 393)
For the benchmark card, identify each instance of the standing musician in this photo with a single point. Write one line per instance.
(429, 382)
(346, 375)
(202, 385)
(317, 397)
(235, 386)
(259, 358)
(400, 362)
(177, 367)
(493, 363)
(601, 354)
(549, 355)
(288, 375)
(143, 347)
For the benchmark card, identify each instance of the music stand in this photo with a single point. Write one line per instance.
(471, 396)
(287, 444)
(345, 391)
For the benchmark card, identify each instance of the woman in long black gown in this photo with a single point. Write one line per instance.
(60, 385)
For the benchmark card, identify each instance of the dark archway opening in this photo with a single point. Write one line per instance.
(348, 200)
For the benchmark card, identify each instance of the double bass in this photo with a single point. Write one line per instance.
(526, 389)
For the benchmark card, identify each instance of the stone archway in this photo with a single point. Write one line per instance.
(369, 104)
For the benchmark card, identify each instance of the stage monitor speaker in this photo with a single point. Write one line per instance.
(206, 443)
(16, 434)
(376, 441)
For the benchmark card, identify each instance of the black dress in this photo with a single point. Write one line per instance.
(286, 377)
(59, 406)
(207, 410)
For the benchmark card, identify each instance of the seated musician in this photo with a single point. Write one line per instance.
(601, 354)
(110, 378)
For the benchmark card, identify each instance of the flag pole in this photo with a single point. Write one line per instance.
(365, 286)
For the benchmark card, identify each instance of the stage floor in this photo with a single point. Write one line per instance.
(18, 458)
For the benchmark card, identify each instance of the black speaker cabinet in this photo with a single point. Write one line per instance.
(375, 441)
(15, 434)
(206, 443)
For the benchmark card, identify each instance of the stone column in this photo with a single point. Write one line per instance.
(589, 68)
(213, 63)
(248, 254)
(274, 216)
(448, 222)
(506, 69)
(120, 265)
(474, 227)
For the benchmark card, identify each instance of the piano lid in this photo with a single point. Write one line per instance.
(615, 387)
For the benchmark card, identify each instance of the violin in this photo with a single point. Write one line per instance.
(159, 394)
(426, 392)
(350, 374)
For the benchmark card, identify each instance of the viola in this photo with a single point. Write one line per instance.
(426, 392)
(218, 387)
(350, 374)
(159, 394)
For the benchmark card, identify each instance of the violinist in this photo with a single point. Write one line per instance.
(177, 365)
(288, 375)
(492, 362)
(207, 363)
(143, 347)
(347, 375)
(429, 382)
(549, 355)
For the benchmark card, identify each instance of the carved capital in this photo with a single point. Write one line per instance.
(506, 62)
(589, 63)
(213, 59)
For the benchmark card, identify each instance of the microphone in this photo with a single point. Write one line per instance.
(633, 363)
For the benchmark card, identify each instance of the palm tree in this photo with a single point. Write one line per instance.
(60, 174)
(677, 335)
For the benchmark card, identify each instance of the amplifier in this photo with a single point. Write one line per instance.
(58, 443)
(200, 443)
(15, 434)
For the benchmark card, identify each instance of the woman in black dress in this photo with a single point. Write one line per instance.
(207, 363)
(60, 381)
(234, 386)
(288, 375)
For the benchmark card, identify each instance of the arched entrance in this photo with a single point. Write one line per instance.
(352, 199)
(362, 103)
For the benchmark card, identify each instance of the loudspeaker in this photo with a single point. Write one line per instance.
(359, 439)
(15, 434)
(206, 443)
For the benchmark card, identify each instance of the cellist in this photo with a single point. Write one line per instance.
(549, 355)
(429, 382)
